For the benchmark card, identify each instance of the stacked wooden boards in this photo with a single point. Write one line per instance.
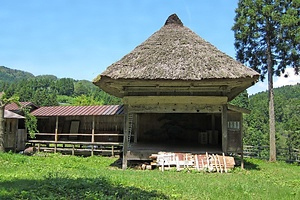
(200, 162)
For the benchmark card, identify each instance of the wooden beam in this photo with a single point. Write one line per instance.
(224, 129)
(117, 86)
(175, 108)
(197, 100)
(161, 83)
(177, 89)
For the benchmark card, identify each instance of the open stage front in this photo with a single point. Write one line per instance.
(142, 151)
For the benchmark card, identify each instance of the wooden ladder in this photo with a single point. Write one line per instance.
(130, 127)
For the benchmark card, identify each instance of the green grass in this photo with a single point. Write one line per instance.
(53, 176)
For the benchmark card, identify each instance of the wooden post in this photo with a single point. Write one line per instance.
(73, 149)
(112, 151)
(92, 152)
(125, 139)
(242, 144)
(56, 129)
(224, 129)
(93, 129)
(93, 135)
(56, 134)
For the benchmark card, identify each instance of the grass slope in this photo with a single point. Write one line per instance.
(54, 176)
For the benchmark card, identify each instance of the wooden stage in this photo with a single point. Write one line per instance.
(142, 151)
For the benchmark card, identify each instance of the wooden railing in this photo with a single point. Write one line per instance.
(108, 142)
(262, 152)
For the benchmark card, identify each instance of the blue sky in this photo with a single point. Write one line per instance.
(80, 38)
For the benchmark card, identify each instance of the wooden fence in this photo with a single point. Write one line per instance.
(262, 152)
(104, 143)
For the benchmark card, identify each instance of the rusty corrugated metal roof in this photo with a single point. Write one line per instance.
(79, 110)
(11, 115)
(14, 106)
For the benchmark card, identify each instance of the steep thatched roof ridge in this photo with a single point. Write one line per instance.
(176, 53)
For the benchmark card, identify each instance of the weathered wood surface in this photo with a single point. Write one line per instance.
(199, 162)
(144, 100)
(112, 148)
(174, 108)
(74, 142)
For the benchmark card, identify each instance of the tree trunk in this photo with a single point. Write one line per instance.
(272, 157)
(2, 149)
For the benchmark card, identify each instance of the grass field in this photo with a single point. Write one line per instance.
(53, 176)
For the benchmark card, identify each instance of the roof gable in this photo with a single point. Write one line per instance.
(15, 107)
(11, 115)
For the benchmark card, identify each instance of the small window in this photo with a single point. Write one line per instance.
(235, 125)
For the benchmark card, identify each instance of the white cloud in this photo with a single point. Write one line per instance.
(292, 79)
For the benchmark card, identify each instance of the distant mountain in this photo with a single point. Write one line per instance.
(287, 92)
(12, 75)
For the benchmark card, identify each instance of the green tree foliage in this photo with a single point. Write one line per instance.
(40, 91)
(65, 86)
(287, 107)
(48, 90)
(267, 38)
(241, 100)
(30, 122)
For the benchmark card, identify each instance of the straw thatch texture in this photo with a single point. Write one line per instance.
(176, 53)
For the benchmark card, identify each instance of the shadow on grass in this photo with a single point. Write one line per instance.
(248, 164)
(56, 187)
(117, 163)
(251, 166)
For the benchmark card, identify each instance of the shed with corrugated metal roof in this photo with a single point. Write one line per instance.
(79, 124)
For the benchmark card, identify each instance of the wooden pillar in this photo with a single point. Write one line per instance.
(93, 129)
(56, 134)
(242, 144)
(224, 129)
(56, 129)
(125, 138)
(93, 135)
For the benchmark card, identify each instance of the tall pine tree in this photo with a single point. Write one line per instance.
(267, 38)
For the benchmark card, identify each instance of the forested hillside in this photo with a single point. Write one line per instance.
(8, 75)
(48, 90)
(287, 114)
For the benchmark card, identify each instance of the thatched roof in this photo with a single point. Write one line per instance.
(176, 52)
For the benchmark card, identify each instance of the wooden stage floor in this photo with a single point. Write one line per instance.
(142, 151)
